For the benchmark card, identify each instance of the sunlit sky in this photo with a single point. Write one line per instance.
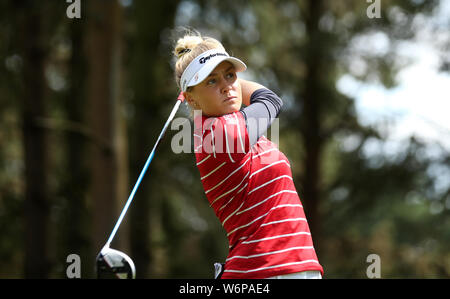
(420, 104)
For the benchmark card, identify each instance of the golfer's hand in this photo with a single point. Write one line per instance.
(247, 88)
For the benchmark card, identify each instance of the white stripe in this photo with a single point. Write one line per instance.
(228, 176)
(271, 181)
(271, 150)
(213, 143)
(290, 205)
(264, 141)
(223, 194)
(209, 156)
(226, 142)
(222, 207)
(269, 253)
(204, 177)
(270, 165)
(271, 267)
(226, 219)
(256, 219)
(196, 149)
(264, 200)
(209, 122)
(239, 133)
(284, 205)
(284, 220)
(196, 135)
(277, 237)
(245, 225)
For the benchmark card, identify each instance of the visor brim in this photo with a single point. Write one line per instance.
(204, 72)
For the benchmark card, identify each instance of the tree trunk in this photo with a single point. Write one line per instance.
(151, 19)
(104, 90)
(76, 223)
(311, 122)
(33, 107)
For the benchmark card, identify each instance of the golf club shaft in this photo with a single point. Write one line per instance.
(147, 163)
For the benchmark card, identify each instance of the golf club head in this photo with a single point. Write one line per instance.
(113, 264)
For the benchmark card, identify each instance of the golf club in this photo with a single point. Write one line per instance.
(111, 263)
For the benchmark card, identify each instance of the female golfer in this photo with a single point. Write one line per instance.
(247, 180)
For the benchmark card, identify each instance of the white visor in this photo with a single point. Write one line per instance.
(204, 64)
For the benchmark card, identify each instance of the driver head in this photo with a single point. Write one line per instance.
(112, 263)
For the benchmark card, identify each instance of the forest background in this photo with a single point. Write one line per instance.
(86, 86)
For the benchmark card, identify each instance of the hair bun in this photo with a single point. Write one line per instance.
(186, 44)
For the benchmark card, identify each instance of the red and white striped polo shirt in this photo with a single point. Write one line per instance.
(253, 195)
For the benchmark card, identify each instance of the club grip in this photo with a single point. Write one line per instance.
(181, 97)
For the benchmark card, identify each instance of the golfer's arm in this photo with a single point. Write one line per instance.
(264, 106)
(248, 88)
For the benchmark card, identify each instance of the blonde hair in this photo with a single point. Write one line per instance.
(190, 46)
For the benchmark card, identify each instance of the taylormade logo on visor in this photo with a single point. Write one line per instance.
(205, 59)
(203, 64)
(188, 79)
